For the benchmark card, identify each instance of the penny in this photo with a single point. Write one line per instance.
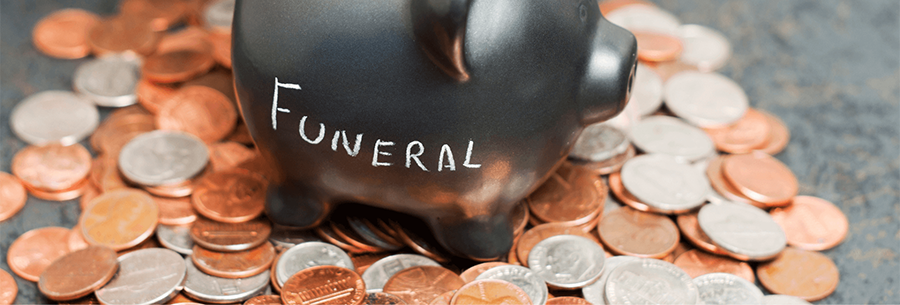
(595, 293)
(13, 194)
(488, 291)
(532, 237)
(705, 48)
(519, 217)
(221, 48)
(746, 232)
(109, 81)
(218, 15)
(30, 254)
(117, 131)
(424, 244)
(670, 68)
(198, 110)
(473, 272)
(781, 299)
(90, 192)
(708, 100)
(626, 231)
(646, 18)
(234, 265)
(328, 234)
(370, 233)
(362, 261)
(444, 298)
(779, 135)
(78, 273)
(567, 261)
(533, 286)
(211, 289)
(607, 6)
(727, 289)
(176, 66)
(671, 136)
(663, 183)
(120, 219)
(696, 263)
(148, 276)
(177, 190)
(161, 14)
(572, 195)
(230, 237)
(324, 285)
(88, 300)
(163, 158)
(175, 238)
(62, 195)
(264, 300)
(367, 243)
(54, 117)
(629, 282)
(599, 142)
(63, 34)
(284, 237)
(232, 196)
(812, 223)
(378, 274)
(122, 33)
(723, 187)
(657, 47)
(227, 155)
(105, 174)
(809, 275)
(190, 38)
(567, 301)
(152, 95)
(272, 279)
(149, 243)
(421, 284)
(690, 228)
(761, 177)
(307, 255)
(76, 240)
(175, 211)
(619, 190)
(8, 288)
(748, 133)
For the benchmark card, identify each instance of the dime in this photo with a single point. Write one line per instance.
(664, 184)
(421, 284)
(473, 272)
(567, 261)
(488, 291)
(532, 237)
(812, 223)
(163, 157)
(8, 288)
(809, 275)
(307, 255)
(175, 211)
(198, 110)
(30, 254)
(78, 273)
(212, 289)
(123, 33)
(175, 238)
(378, 274)
(54, 116)
(108, 81)
(708, 100)
(705, 48)
(626, 231)
(120, 219)
(218, 15)
(324, 285)
(650, 281)
(696, 263)
(232, 196)
(748, 133)
(520, 276)
(671, 136)
(781, 299)
(52, 167)
(654, 47)
(647, 18)
(176, 65)
(690, 228)
(572, 195)
(230, 237)
(63, 34)
(13, 194)
(595, 293)
(264, 300)
(148, 276)
(747, 233)
(599, 142)
(761, 177)
(234, 265)
(727, 289)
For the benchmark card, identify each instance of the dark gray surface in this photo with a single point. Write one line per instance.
(829, 69)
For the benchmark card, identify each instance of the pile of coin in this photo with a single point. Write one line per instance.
(172, 204)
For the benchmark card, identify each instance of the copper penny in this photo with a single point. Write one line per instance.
(264, 300)
(89, 194)
(567, 301)
(761, 177)
(78, 273)
(63, 34)
(221, 43)
(62, 195)
(241, 134)
(808, 275)
(607, 6)
(362, 261)
(723, 187)
(230, 196)
(690, 227)
(748, 133)
(181, 299)
(328, 234)
(122, 33)
(342, 229)
(105, 174)
(30, 254)
(8, 288)
(198, 110)
(152, 95)
(656, 47)
(779, 135)
(227, 155)
(117, 130)
(443, 299)
(175, 211)
(52, 167)
(619, 190)
(219, 79)
(230, 237)
(176, 65)
(189, 38)
(571, 195)
(76, 240)
(422, 243)
(234, 265)
(120, 219)
(532, 237)
(812, 223)
(470, 274)
(273, 277)
(161, 14)
(323, 285)
(669, 68)
(484, 292)
(13, 194)
(421, 284)
(682, 246)
(626, 231)
(696, 263)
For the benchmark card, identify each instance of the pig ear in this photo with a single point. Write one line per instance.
(440, 27)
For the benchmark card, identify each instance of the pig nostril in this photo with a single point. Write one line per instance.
(630, 81)
(582, 12)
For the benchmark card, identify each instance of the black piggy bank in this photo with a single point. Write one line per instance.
(448, 110)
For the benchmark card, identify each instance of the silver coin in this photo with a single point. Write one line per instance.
(671, 136)
(567, 261)
(109, 81)
(522, 277)
(650, 281)
(219, 14)
(284, 237)
(54, 116)
(781, 299)
(707, 100)
(599, 142)
(309, 254)
(663, 183)
(175, 238)
(207, 288)
(645, 18)
(595, 293)
(727, 289)
(647, 91)
(147, 276)
(705, 48)
(163, 157)
(378, 273)
(743, 230)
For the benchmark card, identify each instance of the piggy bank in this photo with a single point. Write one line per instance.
(448, 110)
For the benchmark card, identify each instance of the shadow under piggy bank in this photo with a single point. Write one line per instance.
(449, 110)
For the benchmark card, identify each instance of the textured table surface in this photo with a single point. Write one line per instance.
(830, 69)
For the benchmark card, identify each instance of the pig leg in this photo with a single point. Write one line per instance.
(296, 206)
(481, 237)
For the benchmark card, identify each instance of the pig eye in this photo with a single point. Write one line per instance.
(582, 12)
